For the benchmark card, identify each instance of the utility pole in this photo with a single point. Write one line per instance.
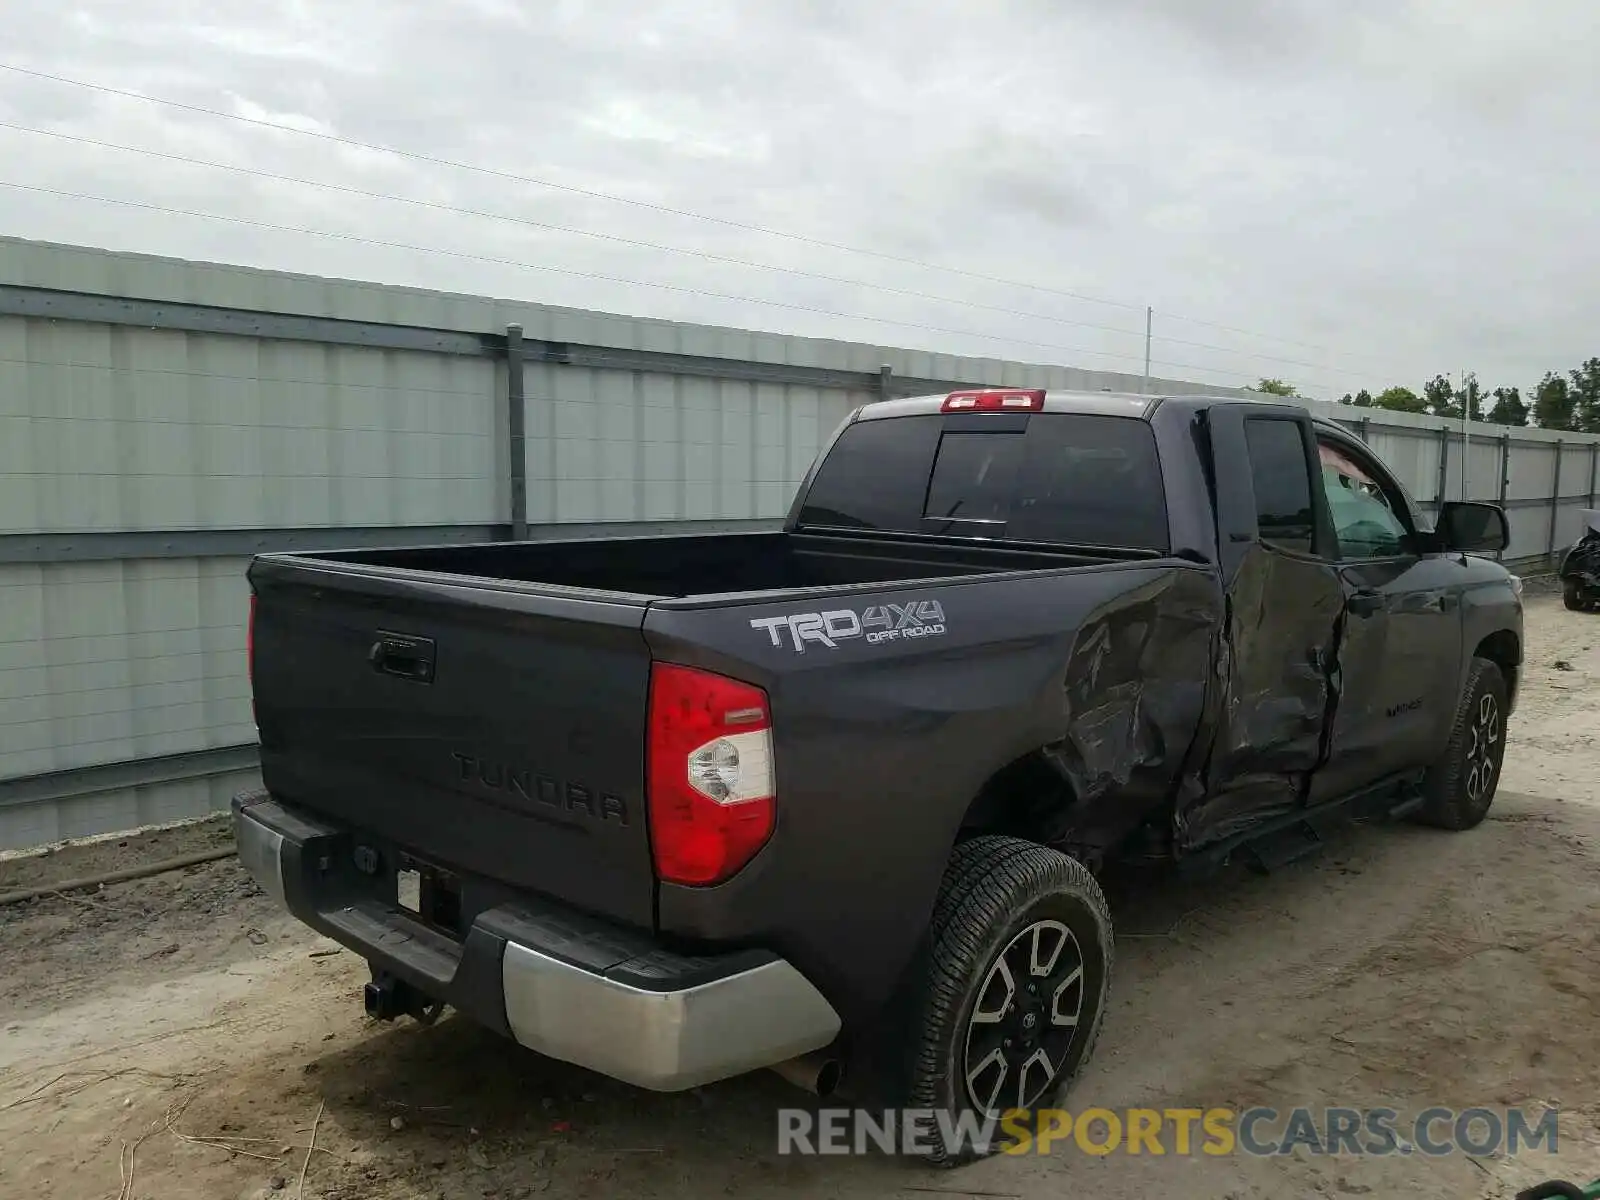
(1467, 382)
(1149, 315)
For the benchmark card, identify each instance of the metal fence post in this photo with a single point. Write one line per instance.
(1594, 469)
(1505, 484)
(1444, 468)
(517, 433)
(885, 382)
(1555, 501)
(1366, 430)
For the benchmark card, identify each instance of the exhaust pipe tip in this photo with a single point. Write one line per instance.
(819, 1073)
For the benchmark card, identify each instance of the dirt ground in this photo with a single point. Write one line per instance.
(176, 1039)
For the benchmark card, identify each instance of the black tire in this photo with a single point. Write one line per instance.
(1460, 787)
(1002, 896)
(1572, 596)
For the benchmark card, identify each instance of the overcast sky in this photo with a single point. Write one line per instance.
(1379, 190)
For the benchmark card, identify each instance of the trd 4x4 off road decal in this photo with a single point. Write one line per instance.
(880, 623)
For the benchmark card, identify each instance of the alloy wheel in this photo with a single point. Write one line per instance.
(1024, 1019)
(1481, 746)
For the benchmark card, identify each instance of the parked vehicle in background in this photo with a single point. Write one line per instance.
(1580, 567)
(675, 808)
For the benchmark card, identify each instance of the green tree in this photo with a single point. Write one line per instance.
(1276, 387)
(1552, 403)
(1440, 397)
(1585, 392)
(1509, 408)
(1363, 399)
(1400, 399)
(1472, 397)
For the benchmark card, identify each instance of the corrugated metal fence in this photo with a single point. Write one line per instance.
(161, 421)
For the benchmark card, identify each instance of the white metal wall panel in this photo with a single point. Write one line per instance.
(1586, 472)
(124, 808)
(106, 427)
(106, 662)
(1576, 463)
(1483, 477)
(1533, 470)
(1530, 532)
(609, 445)
(1415, 460)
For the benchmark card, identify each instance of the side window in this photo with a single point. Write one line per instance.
(1282, 482)
(1364, 518)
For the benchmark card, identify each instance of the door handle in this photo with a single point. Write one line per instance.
(404, 656)
(1365, 603)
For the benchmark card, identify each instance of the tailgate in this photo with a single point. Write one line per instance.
(496, 729)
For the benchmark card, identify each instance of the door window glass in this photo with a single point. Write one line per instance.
(1281, 478)
(1364, 519)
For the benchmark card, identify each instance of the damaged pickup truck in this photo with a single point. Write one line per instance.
(676, 808)
(1580, 567)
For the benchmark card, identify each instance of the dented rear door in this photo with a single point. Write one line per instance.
(1278, 660)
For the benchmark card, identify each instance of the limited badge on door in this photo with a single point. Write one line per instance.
(409, 888)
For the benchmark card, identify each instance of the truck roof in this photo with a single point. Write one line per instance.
(1100, 404)
(1104, 404)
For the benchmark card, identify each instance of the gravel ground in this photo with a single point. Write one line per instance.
(182, 1024)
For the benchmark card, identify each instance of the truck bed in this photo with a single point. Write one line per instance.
(660, 568)
(484, 708)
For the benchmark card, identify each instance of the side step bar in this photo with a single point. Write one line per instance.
(1296, 835)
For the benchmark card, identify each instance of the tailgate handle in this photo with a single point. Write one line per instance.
(402, 655)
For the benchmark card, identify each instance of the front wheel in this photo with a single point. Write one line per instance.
(1460, 787)
(1572, 596)
(1013, 991)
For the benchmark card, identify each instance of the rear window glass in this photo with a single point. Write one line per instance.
(1094, 481)
(876, 475)
(974, 476)
(1070, 478)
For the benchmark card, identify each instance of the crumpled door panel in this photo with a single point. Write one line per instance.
(1277, 688)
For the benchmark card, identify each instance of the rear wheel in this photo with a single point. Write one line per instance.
(1013, 990)
(1572, 596)
(1460, 787)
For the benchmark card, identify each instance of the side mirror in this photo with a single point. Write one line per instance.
(1473, 528)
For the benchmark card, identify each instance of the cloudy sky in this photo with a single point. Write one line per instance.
(1343, 193)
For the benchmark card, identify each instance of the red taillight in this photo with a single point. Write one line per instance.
(995, 400)
(711, 794)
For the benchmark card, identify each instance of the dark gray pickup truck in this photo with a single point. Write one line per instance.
(676, 808)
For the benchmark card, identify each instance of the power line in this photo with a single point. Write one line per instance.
(596, 194)
(439, 206)
(595, 276)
